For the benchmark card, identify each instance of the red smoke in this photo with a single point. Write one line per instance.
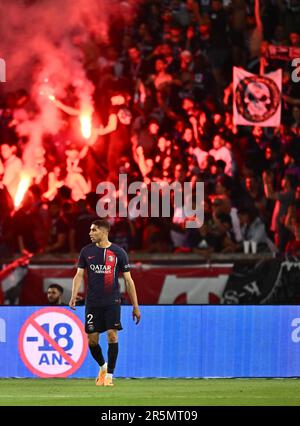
(43, 44)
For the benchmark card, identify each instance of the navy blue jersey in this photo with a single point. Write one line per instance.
(103, 266)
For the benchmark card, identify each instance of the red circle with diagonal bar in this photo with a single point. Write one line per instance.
(52, 343)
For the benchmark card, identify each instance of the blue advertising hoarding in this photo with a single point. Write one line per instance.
(170, 341)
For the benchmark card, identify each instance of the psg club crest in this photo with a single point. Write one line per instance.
(257, 99)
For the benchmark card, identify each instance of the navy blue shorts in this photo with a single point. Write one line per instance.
(103, 318)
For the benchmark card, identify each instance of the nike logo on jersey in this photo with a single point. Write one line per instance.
(91, 257)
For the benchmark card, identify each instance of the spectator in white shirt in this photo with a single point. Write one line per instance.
(221, 152)
(201, 156)
(12, 168)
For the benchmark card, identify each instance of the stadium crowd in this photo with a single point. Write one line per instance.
(163, 113)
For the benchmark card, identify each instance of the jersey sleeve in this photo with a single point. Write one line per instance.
(81, 260)
(123, 261)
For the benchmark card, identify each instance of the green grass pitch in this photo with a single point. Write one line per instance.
(150, 392)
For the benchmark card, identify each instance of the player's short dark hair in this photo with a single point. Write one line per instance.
(57, 286)
(102, 223)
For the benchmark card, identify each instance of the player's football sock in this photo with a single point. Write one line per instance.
(104, 367)
(108, 380)
(97, 354)
(113, 349)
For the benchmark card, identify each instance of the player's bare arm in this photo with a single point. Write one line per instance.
(133, 296)
(77, 280)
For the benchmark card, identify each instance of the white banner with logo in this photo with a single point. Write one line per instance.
(155, 284)
(256, 98)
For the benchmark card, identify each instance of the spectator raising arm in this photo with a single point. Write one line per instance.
(110, 127)
(67, 109)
